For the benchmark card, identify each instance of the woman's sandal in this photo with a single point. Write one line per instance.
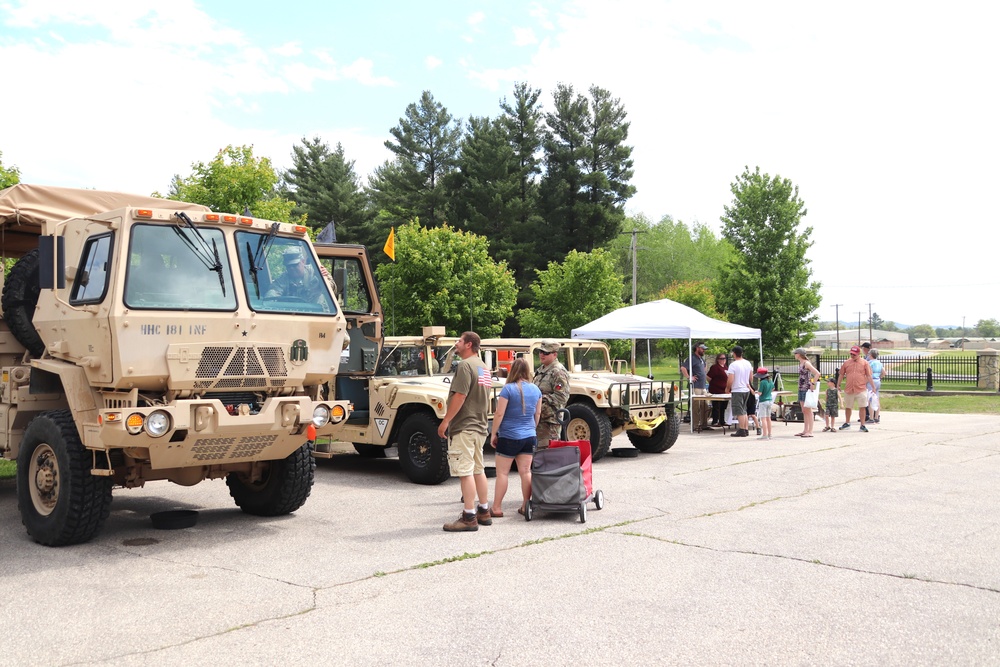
(495, 514)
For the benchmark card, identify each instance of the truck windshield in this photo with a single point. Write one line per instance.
(403, 360)
(281, 275)
(164, 273)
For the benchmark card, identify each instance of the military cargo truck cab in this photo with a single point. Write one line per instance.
(147, 339)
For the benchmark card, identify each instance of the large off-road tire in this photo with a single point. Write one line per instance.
(422, 454)
(369, 451)
(663, 438)
(283, 489)
(59, 500)
(588, 423)
(20, 296)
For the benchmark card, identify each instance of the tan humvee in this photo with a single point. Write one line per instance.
(400, 404)
(603, 401)
(146, 339)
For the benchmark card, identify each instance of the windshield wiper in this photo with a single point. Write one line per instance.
(263, 247)
(208, 255)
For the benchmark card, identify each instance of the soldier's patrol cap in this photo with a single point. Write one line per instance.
(292, 255)
(548, 345)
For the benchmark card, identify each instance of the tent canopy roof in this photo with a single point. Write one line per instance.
(662, 319)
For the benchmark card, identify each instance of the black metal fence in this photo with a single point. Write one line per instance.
(902, 368)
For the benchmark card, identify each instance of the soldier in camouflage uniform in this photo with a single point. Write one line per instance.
(551, 377)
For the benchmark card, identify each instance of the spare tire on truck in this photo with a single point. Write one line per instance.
(20, 296)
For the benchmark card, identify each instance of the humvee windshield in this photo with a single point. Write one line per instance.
(281, 275)
(591, 358)
(165, 273)
(402, 360)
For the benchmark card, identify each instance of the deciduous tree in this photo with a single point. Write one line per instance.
(767, 285)
(570, 293)
(444, 276)
(232, 182)
(8, 175)
(988, 328)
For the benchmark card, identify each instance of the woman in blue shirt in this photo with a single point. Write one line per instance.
(518, 409)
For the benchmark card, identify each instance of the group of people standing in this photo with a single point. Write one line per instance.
(735, 379)
(525, 419)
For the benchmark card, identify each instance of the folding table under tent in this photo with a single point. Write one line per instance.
(665, 319)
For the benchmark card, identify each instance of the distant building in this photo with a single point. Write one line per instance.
(884, 340)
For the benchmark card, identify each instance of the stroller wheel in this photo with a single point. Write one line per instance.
(527, 511)
(599, 499)
(583, 512)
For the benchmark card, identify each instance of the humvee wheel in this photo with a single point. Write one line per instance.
(283, 489)
(369, 451)
(422, 454)
(59, 500)
(588, 423)
(20, 296)
(663, 438)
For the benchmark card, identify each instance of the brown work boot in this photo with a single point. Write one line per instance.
(463, 523)
(483, 517)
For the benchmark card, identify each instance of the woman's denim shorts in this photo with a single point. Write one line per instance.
(511, 447)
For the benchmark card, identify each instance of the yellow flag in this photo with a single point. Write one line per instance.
(390, 244)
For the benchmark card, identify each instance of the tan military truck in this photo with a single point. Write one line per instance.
(147, 339)
(400, 402)
(603, 402)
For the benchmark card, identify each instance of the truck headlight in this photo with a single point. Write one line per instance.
(321, 416)
(157, 423)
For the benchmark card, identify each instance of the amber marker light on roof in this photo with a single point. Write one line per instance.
(211, 217)
(144, 213)
(229, 218)
(300, 229)
(246, 221)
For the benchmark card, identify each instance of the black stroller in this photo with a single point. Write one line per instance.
(562, 477)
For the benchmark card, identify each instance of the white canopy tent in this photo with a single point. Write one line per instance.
(665, 319)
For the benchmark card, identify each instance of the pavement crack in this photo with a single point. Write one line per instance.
(816, 561)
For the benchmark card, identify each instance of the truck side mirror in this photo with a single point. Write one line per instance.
(51, 262)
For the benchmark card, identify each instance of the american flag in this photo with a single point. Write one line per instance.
(485, 379)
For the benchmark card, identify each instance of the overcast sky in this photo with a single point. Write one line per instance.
(884, 114)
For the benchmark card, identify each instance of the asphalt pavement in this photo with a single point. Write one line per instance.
(847, 548)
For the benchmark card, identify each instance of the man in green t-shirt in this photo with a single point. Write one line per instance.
(466, 425)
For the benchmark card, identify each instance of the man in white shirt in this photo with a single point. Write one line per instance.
(738, 386)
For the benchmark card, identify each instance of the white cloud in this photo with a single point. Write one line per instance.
(524, 37)
(433, 62)
(288, 50)
(476, 19)
(361, 71)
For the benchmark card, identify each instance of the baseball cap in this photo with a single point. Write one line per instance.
(549, 345)
(701, 346)
(866, 344)
(762, 371)
(855, 348)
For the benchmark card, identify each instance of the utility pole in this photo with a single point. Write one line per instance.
(963, 333)
(870, 325)
(633, 247)
(859, 327)
(837, 325)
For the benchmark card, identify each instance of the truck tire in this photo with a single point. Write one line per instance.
(663, 438)
(59, 500)
(284, 488)
(422, 454)
(367, 451)
(20, 296)
(588, 423)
